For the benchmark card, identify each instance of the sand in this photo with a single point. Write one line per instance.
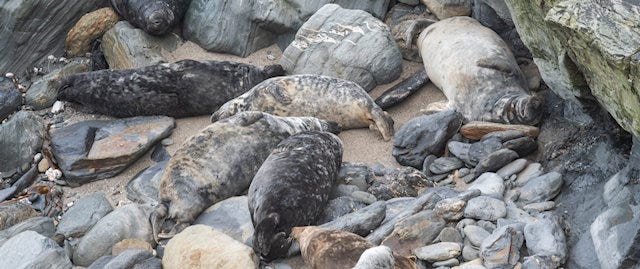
(361, 145)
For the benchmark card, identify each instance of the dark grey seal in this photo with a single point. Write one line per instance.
(402, 90)
(155, 17)
(180, 89)
(292, 189)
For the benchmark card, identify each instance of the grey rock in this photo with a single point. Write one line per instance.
(502, 248)
(396, 205)
(364, 197)
(339, 207)
(230, 216)
(449, 234)
(469, 194)
(127, 259)
(423, 136)
(150, 263)
(616, 192)
(82, 148)
(84, 213)
(402, 182)
(438, 252)
(504, 135)
(448, 8)
(10, 98)
(14, 213)
(489, 184)
(127, 47)
(361, 222)
(415, 231)
(388, 226)
(22, 137)
(445, 165)
(471, 154)
(615, 234)
(129, 221)
(487, 225)
(32, 250)
(515, 214)
(485, 208)
(446, 264)
(427, 163)
(542, 188)
(450, 209)
(31, 31)
(539, 207)
(100, 263)
(342, 190)
(495, 161)
(410, 2)
(355, 174)
(539, 262)
(44, 91)
(143, 188)
(523, 145)
(475, 234)
(325, 43)
(532, 170)
(545, 237)
(41, 225)
(512, 168)
(470, 253)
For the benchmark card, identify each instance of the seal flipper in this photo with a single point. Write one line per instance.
(279, 93)
(268, 242)
(382, 122)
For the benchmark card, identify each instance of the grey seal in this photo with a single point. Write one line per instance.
(155, 17)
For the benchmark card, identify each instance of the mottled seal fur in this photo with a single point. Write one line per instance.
(180, 89)
(219, 162)
(402, 90)
(291, 188)
(324, 248)
(327, 98)
(155, 17)
(477, 72)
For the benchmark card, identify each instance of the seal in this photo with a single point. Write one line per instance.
(155, 17)
(324, 97)
(402, 90)
(292, 188)
(477, 72)
(219, 162)
(325, 248)
(180, 89)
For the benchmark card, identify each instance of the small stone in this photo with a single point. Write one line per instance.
(449, 234)
(450, 209)
(69, 204)
(231, 217)
(338, 207)
(53, 174)
(364, 197)
(475, 234)
(504, 135)
(445, 165)
(86, 213)
(129, 244)
(127, 47)
(523, 146)
(539, 207)
(545, 237)
(502, 248)
(9, 75)
(22, 137)
(495, 161)
(427, 163)
(532, 170)
(470, 253)
(414, 231)
(166, 142)
(438, 252)
(43, 165)
(57, 107)
(542, 188)
(448, 8)
(342, 190)
(356, 174)
(448, 263)
(42, 225)
(475, 130)
(512, 168)
(485, 208)
(401, 182)
(489, 184)
(270, 57)
(32, 250)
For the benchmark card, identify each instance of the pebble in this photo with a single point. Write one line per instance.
(58, 106)
(495, 160)
(450, 209)
(523, 145)
(129, 244)
(43, 165)
(504, 135)
(470, 253)
(476, 129)
(545, 237)
(427, 163)
(87, 211)
(475, 234)
(489, 184)
(364, 197)
(9, 75)
(166, 142)
(512, 168)
(539, 207)
(532, 170)
(447, 263)
(32, 250)
(53, 174)
(444, 165)
(438, 252)
(485, 208)
(541, 188)
(449, 234)
(342, 190)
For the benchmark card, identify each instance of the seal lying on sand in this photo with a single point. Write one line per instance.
(155, 17)
(180, 89)
(292, 188)
(477, 72)
(324, 248)
(219, 162)
(402, 90)
(327, 98)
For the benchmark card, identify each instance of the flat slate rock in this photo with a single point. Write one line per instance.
(22, 137)
(143, 188)
(10, 98)
(32, 250)
(85, 212)
(477, 129)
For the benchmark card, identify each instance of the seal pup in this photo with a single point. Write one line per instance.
(219, 162)
(325, 248)
(155, 17)
(291, 188)
(180, 89)
(477, 72)
(402, 90)
(324, 97)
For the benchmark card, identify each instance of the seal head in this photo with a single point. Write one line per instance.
(158, 18)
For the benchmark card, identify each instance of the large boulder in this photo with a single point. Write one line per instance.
(22, 137)
(32, 250)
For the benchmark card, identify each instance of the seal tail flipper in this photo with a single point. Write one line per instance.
(382, 122)
(157, 219)
(275, 70)
(65, 87)
(333, 127)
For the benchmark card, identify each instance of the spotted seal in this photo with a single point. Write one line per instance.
(155, 17)
(324, 97)
(180, 89)
(219, 162)
(291, 188)
(477, 72)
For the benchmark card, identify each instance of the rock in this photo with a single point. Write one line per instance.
(41, 225)
(405, 182)
(485, 208)
(360, 222)
(539, 207)
(470, 253)
(445, 165)
(143, 188)
(127, 47)
(489, 184)
(341, 190)
(512, 168)
(200, 246)
(477, 151)
(541, 188)
(545, 237)
(14, 213)
(43, 165)
(130, 244)
(450, 209)
(343, 43)
(355, 174)
(128, 259)
(10, 98)
(129, 221)
(475, 234)
(22, 138)
(615, 235)
(532, 170)
(44, 91)
(414, 231)
(32, 31)
(427, 163)
(477, 129)
(32, 250)
(495, 161)
(448, 8)
(523, 146)
(339, 207)
(504, 135)
(410, 2)
(82, 148)
(85, 212)
(538, 261)
(438, 252)
(502, 248)
(364, 197)
(423, 136)
(89, 28)
(449, 234)
(231, 217)
(396, 205)
(446, 264)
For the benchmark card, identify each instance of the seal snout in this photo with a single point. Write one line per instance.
(529, 109)
(159, 21)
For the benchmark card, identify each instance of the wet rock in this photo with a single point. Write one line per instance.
(489, 184)
(545, 237)
(512, 168)
(230, 216)
(127, 47)
(83, 148)
(10, 98)
(84, 213)
(532, 170)
(406, 182)
(485, 208)
(475, 234)
(423, 136)
(89, 28)
(541, 188)
(449, 234)
(22, 137)
(448, 8)
(523, 145)
(502, 248)
(143, 188)
(414, 232)
(355, 174)
(44, 91)
(477, 129)
(32, 250)
(201, 246)
(129, 221)
(325, 43)
(445, 165)
(41, 225)
(14, 213)
(438, 252)
(476, 152)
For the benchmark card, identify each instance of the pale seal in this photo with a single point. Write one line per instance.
(477, 72)
(324, 97)
(219, 162)
(291, 188)
(180, 89)
(155, 17)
